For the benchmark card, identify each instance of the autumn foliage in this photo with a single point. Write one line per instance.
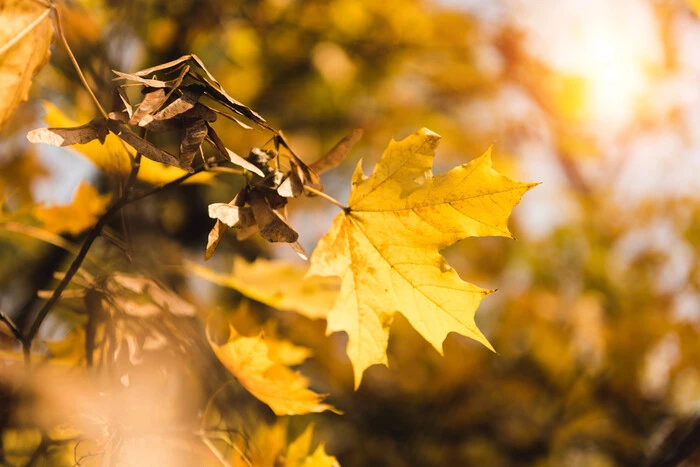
(253, 253)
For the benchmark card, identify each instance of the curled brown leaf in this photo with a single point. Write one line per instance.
(273, 227)
(338, 153)
(94, 129)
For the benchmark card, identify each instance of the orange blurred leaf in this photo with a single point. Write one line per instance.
(76, 217)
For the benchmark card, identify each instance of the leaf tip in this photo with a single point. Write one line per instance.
(429, 134)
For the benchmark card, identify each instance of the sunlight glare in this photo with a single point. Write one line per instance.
(611, 45)
(615, 75)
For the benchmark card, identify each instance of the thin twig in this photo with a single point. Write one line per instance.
(158, 189)
(180, 180)
(23, 32)
(328, 198)
(92, 235)
(59, 31)
(207, 442)
(11, 324)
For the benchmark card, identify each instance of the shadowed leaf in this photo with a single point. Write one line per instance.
(192, 140)
(272, 227)
(279, 284)
(146, 148)
(212, 86)
(112, 158)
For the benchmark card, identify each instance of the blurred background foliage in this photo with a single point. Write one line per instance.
(598, 308)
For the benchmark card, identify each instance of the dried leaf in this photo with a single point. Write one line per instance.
(291, 187)
(214, 238)
(95, 129)
(112, 158)
(240, 162)
(386, 247)
(337, 154)
(232, 216)
(229, 155)
(151, 83)
(121, 102)
(272, 227)
(151, 103)
(187, 101)
(195, 131)
(233, 119)
(28, 24)
(168, 66)
(306, 174)
(246, 232)
(299, 250)
(213, 88)
(146, 148)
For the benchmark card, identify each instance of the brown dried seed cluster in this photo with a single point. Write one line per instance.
(172, 102)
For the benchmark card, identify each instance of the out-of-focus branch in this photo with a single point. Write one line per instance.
(62, 36)
(11, 324)
(92, 235)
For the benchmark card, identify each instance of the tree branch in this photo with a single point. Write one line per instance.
(92, 235)
(11, 324)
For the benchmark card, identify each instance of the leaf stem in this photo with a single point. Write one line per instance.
(180, 180)
(328, 198)
(159, 188)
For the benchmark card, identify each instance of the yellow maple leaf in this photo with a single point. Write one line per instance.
(299, 452)
(385, 247)
(278, 284)
(270, 446)
(112, 158)
(25, 37)
(74, 218)
(250, 359)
